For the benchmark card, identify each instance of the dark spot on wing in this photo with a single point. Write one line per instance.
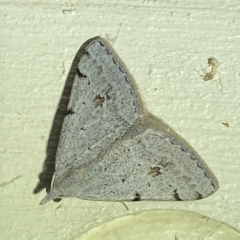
(192, 157)
(80, 75)
(176, 196)
(86, 52)
(154, 171)
(206, 175)
(108, 52)
(183, 149)
(99, 101)
(114, 61)
(121, 70)
(213, 185)
(101, 43)
(199, 196)
(137, 197)
(70, 111)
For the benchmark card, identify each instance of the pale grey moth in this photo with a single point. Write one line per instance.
(112, 149)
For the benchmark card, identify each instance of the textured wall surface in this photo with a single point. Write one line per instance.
(162, 43)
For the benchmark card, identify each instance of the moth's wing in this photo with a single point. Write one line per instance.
(145, 165)
(104, 104)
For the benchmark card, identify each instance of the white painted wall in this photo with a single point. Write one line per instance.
(161, 43)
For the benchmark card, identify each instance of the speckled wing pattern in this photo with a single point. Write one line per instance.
(112, 149)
